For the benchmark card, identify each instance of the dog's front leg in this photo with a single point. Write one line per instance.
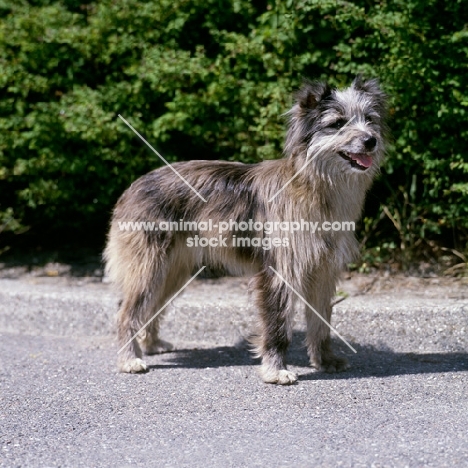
(319, 292)
(275, 302)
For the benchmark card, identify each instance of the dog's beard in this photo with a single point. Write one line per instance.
(335, 149)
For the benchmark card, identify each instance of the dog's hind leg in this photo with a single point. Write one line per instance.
(130, 356)
(179, 267)
(275, 302)
(136, 264)
(141, 312)
(141, 289)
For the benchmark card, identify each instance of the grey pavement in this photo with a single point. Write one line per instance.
(403, 403)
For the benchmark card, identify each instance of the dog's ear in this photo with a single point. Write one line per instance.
(373, 88)
(311, 93)
(368, 86)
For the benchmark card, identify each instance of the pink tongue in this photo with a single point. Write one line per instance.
(363, 159)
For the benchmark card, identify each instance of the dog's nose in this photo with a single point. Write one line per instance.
(370, 143)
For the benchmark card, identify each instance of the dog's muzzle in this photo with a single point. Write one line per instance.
(361, 161)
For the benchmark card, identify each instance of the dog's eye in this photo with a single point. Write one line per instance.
(338, 123)
(368, 119)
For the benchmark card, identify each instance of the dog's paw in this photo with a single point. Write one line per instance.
(280, 377)
(331, 364)
(158, 347)
(133, 366)
(286, 377)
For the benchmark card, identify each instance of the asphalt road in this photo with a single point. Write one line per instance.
(62, 402)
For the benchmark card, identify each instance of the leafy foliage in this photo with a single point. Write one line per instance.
(210, 79)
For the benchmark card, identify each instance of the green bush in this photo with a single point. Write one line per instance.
(210, 79)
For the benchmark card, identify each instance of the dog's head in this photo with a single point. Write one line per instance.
(342, 131)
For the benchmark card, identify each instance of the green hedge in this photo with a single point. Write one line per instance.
(210, 79)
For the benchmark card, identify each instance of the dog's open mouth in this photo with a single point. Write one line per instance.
(361, 161)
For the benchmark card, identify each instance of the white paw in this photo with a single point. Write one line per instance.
(286, 377)
(133, 366)
(280, 377)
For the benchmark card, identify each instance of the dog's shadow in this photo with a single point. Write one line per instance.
(369, 361)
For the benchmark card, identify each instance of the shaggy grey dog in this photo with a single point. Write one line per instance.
(333, 149)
